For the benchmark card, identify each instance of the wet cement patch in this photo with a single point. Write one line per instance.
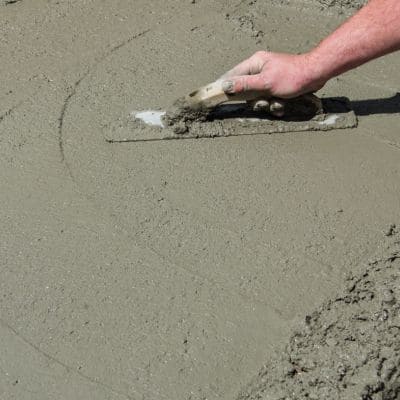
(181, 115)
(255, 216)
(347, 349)
(168, 270)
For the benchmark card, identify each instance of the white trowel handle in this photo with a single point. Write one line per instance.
(211, 95)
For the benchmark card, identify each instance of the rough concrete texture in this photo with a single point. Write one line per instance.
(351, 4)
(349, 348)
(180, 115)
(170, 270)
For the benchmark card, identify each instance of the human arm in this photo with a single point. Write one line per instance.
(372, 32)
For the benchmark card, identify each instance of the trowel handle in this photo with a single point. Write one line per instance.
(211, 95)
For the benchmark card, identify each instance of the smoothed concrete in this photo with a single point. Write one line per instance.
(171, 269)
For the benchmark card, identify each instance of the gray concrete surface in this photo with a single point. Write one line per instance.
(170, 270)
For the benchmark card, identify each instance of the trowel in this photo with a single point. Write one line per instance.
(210, 112)
(212, 95)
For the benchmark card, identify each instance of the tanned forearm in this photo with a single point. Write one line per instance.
(371, 33)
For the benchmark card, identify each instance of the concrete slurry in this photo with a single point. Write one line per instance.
(171, 269)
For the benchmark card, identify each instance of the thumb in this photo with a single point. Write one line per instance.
(246, 83)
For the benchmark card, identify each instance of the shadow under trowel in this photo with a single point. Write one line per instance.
(390, 105)
(337, 105)
(331, 105)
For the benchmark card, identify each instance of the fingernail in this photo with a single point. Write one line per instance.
(261, 105)
(275, 106)
(227, 86)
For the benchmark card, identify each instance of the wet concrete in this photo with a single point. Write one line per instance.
(348, 348)
(171, 269)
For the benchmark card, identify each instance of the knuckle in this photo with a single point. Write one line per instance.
(266, 84)
(259, 54)
(259, 58)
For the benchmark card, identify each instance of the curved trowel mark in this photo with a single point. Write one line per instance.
(77, 84)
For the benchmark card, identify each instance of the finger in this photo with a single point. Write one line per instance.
(277, 108)
(244, 68)
(247, 83)
(251, 66)
(260, 105)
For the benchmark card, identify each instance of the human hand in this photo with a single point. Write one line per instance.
(276, 75)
